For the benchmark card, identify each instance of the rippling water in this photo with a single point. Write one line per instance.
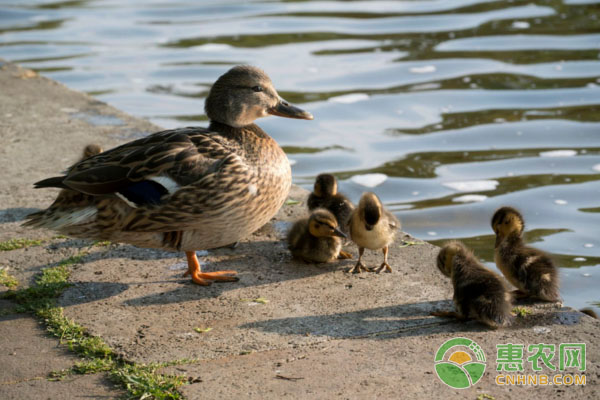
(451, 108)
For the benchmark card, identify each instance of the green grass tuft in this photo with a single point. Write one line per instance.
(14, 244)
(8, 280)
(521, 312)
(141, 381)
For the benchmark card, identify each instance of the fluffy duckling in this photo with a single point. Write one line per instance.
(590, 312)
(372, 227)
(91, 150)
(478, 292)
(530, 270)
(325, 195)
(317, 238)
(184, 189)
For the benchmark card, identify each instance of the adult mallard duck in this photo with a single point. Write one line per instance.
(183, 189)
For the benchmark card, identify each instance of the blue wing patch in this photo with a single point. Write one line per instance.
(144, 193)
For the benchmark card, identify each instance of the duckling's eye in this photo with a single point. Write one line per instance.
(257, 88)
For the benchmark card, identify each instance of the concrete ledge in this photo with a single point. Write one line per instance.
(287, 328)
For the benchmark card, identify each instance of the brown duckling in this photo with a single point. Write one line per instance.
(478, 292)
(317, 238)
(590, 312)
(91, 150)
(325, 195)
(530, 270)
(372, 227)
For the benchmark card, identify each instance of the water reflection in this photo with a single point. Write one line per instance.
(465, 105)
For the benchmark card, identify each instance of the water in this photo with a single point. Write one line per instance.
(450, 108)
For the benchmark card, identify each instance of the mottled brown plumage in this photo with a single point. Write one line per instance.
(478, 292)
(183, 189)
(317, 238)
(373, 227)
(325, 195)
(530, 270)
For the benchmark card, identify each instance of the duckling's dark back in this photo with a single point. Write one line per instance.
(478, 292)
(326, 196)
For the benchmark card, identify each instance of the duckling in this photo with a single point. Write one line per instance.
(91, 150)
(478, 292)
(317, 238)
(590, 312)
(184, 189)
(325, 195)
(373, 227)
(530, 270)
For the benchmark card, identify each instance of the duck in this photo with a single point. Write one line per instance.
(530, 270)
(590, 312)
(317, 238)
(91, 150)
(479, 293)
(184, 189)
(325, 195)
(373, 227)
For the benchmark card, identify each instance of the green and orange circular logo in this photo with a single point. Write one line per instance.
(460, 363)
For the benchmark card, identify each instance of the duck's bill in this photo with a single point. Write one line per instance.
(339, 233)
(285, 109)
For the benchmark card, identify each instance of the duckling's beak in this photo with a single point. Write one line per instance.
(337, 232)
(285, 109)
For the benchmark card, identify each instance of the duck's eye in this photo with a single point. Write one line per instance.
(257, 88)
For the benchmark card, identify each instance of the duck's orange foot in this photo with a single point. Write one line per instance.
(206, 278)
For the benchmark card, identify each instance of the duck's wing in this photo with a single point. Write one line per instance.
(158, 175)
(393, 221)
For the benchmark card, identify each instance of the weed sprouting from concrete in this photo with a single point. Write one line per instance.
(8, 280)
(14, 244)
(521, 312)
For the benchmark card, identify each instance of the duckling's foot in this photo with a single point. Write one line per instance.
(206, 278)
(383, 265)
(358, 268)
(344, 255)
(448, 314)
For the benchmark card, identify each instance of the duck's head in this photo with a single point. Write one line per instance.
(507, 221)
(91, 150)
(325, 185)
(446, 254)
(369, 209)
(245, 93)
(323, 223)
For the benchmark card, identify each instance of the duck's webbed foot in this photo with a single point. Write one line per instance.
(448, 314)
(382, 266)
(206, 278)
(344, 255)
(358, 268)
